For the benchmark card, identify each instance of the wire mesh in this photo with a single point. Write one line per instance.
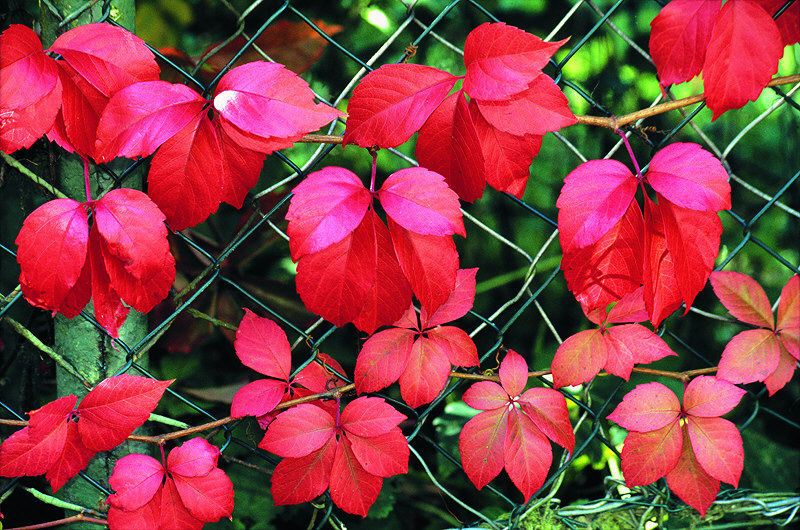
(240, 259)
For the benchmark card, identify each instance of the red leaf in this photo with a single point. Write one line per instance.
(241, 168)
(391, 103)
(299, 431)
(31, 89)
(426, 373)
(648, 456)
(502, 60)
(679, 37)
(742, 56)
(448, 144)
(73, 458)
(526, 454)
(262, 345)
(383, 455)
(630, 344)
(540, 108)
(788, 22)
(789, 316)
(258, 398)
(783, 373)
(109, 310)
(430, 263)
(107, 56)
(513, 373)
(353, 489)
(648, 407)
(690, 482)
(186, 178)
(195, 458)
(82, 105)
(326, 206)
(457, 305)
(369, 416)
(662, 294)
(297, 480)
(145, 517)
(420, 201)
(506, 157)
(630, 308)
(595, 196)
(142, 116)
(208, 497)
(743, 297)
(706, 397)
(751, 355)
(481, 444)
(136, 478)
(486, 395)
(265, 107)
(53, 243)
(383, 358)
(116, 407)
(717, 445)
(456, 345)
(173, 513)
(548, 410)
(611, 268)
(136, 252)
(579, 358)
(690, 177)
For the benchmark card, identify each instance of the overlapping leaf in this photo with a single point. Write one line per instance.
(56, 446)
(503, 436)
(694, 454)
(187, 491)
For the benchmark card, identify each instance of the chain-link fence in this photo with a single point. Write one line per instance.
(240, 258)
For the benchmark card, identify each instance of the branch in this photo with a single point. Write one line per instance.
(609, 122)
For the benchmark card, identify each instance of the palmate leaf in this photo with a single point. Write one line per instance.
(743, 297)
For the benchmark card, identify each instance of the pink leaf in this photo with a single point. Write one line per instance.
(752, 355)
(426, 374)
(648, 456)
(481, 444)
(486, 395)
(208, 497)
(258, 398)
(513, 373)
(631, 344)
(707, 397)
(594, 198)
(53, 243)
(457, 305)
(789, 307)
(262, 345)
(173, 513)
(269, 105)
(540, 108)
(117, 406)
(526, 454)
(135, 478)
(391, 103)
(186, 178)
(195, 458)
(743, 297)
(383, 455)
(647, 407)
(369, 416)
(783, 373)
(353, 489)
(456, 345)
(109, 68)
(297, 480)
(448, 144)
(326, 206)
(630, 308)
(419, 200)
(717, 445)
(690, 177)
(82, 105)
(734, 72)
(382, 359)
(679, 38)
(502, 60)
(690, 482)
(298, 431)
(548, 410)
(141, 117)
(579, 358)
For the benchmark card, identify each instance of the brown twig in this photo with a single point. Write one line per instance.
(80, 518)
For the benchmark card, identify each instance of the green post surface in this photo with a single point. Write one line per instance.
(88, 349)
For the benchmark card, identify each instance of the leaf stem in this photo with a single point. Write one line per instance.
(86, 179)
(630, 152)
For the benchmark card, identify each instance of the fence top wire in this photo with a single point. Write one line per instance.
(525, 304)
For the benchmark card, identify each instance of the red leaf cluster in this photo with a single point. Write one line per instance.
(769, 353)
(610, 249)
(350, 268)
(689, 443)
(186, 492)
(491, 138)
(349, 453)
(123, 257)
(55, 445)
(513, 430)
(420, 352)
(736, 46)
(261, 345)
(615, 348)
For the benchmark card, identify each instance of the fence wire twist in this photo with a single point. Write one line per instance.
(524, 304)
